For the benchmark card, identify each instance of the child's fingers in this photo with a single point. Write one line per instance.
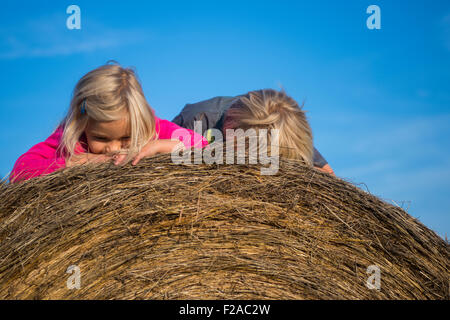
(118, 159)
(159, 146)
(144, 153)
(137, 159)
(326, 169)
(149, 150)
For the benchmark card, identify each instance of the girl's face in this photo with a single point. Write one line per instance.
(108, 136)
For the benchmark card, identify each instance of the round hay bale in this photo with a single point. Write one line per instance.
(160, 230)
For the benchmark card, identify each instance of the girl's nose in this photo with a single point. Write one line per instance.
(113, 146)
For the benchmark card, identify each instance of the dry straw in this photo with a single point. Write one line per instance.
(160, 230)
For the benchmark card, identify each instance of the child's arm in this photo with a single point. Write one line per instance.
(154, 147)
(327, 169)
(43, 158)
(170, 137)
(320, 163)
(39, 160)
(172, 131)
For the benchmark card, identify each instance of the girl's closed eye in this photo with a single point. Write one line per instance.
(100, 138)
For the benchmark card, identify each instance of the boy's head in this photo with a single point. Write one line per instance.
(271, 109)
(110, 108)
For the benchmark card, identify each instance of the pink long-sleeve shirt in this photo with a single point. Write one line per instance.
(45, 158)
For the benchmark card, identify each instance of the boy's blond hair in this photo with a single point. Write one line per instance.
(102, 95)
(271, 109)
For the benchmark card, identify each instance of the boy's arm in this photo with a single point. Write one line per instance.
(39, 160)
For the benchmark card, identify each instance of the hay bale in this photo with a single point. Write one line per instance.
(165, 231)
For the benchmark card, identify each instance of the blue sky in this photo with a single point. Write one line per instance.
(378, 100)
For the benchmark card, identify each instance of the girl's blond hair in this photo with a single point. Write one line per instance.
(102, 95)
(271, 109)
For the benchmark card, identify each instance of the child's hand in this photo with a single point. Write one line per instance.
(327, 169)
(84, 158)
(157, 146)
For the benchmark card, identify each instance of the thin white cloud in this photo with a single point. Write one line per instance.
(418, 180)
(375, 136)
(49, 37)
(88, 45)
(373, 167)
(405, 162)
(445, 24)
(407, 134)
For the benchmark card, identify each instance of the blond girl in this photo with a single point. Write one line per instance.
(109, 119)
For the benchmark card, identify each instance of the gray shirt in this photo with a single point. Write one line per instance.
(211, 113)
